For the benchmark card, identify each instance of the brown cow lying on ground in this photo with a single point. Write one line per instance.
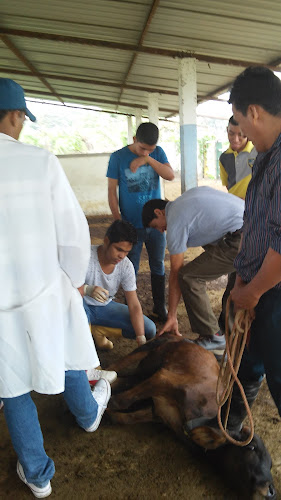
(174, 381)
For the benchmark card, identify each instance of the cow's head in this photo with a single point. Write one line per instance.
(247, 467)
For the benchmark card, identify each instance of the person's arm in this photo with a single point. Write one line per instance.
(171, 324)
(223, 175)
(113, 198)
(247, 295)
(164, 170)
(136, 316)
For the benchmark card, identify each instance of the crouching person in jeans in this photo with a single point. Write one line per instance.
(109, 269)
(45, 342)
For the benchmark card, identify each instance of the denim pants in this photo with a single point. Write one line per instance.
(155, 243)
(25, 431)
(263, 355)
(117, 315)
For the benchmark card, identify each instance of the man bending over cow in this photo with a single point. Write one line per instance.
(110, 268)
(205, 217)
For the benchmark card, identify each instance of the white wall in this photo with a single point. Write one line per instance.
(87, 176)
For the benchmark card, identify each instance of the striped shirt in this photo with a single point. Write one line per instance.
(262, 216)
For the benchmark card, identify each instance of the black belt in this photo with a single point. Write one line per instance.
(238, 231)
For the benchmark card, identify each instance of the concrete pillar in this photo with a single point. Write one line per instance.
(138, 116)
(153, 107)
(188, 128)
(130, 129)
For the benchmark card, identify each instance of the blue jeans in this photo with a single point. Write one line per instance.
(155, 243)
(264, 353)
(117, 315)
(25, 431)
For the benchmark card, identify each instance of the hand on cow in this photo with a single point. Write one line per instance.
(172, 326)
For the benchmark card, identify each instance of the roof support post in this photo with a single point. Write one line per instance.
(138, 115)
(130, 129)
(153, 107)
(188, 127)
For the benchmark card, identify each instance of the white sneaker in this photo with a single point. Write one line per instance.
(101, 393)
(37, 492)
(96, 374)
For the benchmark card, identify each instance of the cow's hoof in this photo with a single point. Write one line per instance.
(115, 403)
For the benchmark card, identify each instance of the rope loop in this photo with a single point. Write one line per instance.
(235, 343)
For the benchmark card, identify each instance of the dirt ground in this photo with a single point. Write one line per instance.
(131, 462)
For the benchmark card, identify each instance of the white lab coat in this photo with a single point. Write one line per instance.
(44, 255)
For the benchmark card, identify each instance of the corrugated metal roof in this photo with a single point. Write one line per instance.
(111, 60)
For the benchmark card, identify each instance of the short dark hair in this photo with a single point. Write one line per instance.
(147, 133)
(121, 230)
(4, 112)
(257, 85)
(148, 210)
(232, 121)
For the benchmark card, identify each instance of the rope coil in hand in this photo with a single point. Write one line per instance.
(229, 366)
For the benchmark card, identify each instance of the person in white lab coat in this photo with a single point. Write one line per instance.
(45, 342)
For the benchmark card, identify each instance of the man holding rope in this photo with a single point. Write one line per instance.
(256, 103)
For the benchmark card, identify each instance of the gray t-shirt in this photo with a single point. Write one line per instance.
(123, 275)
(200, 216)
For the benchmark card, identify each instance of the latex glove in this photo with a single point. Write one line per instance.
(100, 294)
(141, 340)
(96, 292)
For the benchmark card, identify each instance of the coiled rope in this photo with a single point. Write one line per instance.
(229, 366)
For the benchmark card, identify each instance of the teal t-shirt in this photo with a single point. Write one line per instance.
(135, 189)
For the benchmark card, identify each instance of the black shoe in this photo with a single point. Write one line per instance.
(160, 312)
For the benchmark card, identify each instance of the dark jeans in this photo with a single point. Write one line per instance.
(155, 243)
(264, 353)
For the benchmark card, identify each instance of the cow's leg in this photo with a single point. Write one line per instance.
(169, 413)
(141, 352)
(132, 358)
(158, 384)
(122, 384)
(134, 417)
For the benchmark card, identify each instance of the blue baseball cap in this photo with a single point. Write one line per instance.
(12, 97)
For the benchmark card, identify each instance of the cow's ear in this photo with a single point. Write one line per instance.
(207, 437)
(245, 432)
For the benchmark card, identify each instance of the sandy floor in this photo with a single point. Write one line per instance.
(132, 462)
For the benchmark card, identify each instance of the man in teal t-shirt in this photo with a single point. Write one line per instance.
(136, 169)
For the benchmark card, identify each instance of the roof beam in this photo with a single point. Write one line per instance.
(140, 42)
(94, 110)
(133, 48)
(219, 90)
(28, 64)
(89, 81)
(94, 100)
